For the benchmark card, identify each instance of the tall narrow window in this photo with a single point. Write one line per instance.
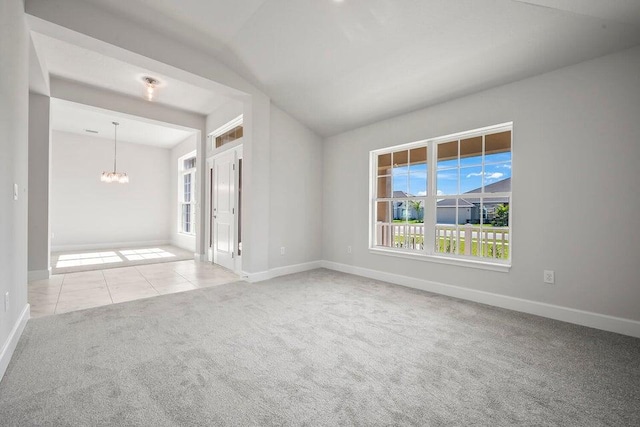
(448, 196)
(186, 196)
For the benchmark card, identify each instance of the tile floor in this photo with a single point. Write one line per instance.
(87, 260)
(76, 291)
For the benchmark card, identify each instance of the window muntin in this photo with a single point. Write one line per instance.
(401, 187)
(459, 209)
(186, 196)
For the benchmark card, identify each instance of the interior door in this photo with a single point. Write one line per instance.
(224, 210)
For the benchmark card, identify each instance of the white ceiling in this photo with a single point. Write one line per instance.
(75, 118)
(72, 62)
(339, 65)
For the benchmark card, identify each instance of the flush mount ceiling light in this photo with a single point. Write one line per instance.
(115, 176)
(150, 85)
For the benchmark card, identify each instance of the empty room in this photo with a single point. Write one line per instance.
(319, 212)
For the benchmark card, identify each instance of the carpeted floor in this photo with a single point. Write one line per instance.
(317, 348)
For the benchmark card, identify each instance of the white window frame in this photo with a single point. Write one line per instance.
(182, 173)
(428, 252)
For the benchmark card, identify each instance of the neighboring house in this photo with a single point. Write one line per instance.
(447, 211)
(405, 210)
(469, 211)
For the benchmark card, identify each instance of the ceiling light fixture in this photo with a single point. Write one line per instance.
(150, 85)
(114, 176)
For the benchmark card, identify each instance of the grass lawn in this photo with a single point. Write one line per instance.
(486, 250)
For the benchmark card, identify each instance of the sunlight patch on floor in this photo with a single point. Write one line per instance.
(91, 258)
(151, 253)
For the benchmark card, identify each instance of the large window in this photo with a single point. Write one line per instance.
(446, 197)
(186, 194)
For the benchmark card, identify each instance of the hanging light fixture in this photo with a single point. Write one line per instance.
(150, 85)
(115, 176)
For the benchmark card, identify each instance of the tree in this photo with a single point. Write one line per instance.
(416, 205)
(502, 216)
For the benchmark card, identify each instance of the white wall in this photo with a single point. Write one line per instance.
(295, 204)
(181, 240)
(575, 179)
(14, 104)
(220, 117)
(133, 43)
(39, 180)
(86, 212)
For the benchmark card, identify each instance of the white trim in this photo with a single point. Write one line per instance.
(565, 314)
(227, 127)
(110, 245)
(429, 251)
(10, 344)
(38, 275)
(199, 257)
(281, 271)
(451, 259)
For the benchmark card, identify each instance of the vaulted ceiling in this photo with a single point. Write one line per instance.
(337, 65)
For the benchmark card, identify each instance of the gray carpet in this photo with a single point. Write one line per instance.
(317, 348)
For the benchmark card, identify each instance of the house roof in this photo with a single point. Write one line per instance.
(445, 203)
(502, 186)
(399, 194)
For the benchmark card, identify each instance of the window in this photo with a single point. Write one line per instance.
(227, 137)
(448, 197)
(227, 133)
(186, 194)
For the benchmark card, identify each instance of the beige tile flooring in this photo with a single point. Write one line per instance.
(76, 291)
(87, 260)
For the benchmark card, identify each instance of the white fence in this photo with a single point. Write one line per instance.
(470, 240)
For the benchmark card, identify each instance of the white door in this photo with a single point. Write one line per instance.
(224, 210)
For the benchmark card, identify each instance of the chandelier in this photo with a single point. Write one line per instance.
(120, 177)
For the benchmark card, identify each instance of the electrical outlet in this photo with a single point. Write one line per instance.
(549, 277)
(282, 250)
(6, 302)
(348, 249)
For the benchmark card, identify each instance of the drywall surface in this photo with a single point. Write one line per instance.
(220, 117)
(185, 241)
(86, 212)
(575, 181)
(295, 202)
(125, 40)
(14, 143)
(39, 179)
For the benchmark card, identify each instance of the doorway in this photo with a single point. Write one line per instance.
(224, 208)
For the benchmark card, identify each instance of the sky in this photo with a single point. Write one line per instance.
(469, 175)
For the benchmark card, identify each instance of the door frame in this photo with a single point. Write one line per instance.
(237, 254)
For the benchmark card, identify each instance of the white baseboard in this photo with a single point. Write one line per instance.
(109, 245)
(9, 346)
(565, 314)
(38, 275)
(281, 271)
(199, 257)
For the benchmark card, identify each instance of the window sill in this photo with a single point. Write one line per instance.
(461, 262)
(187, 234)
